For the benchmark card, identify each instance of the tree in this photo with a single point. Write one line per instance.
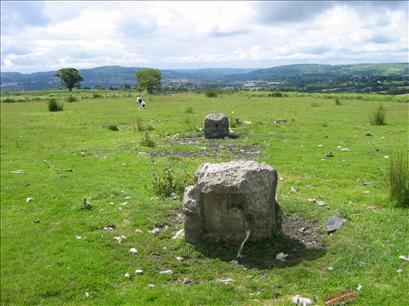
(70, 77)
(148, 79)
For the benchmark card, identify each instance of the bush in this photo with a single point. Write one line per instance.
(112, 127)
(96, 95)
(142, 127)
(338, 102)
(211, 94)
(378, 117)
(398, 177)
(166, 181)
(147, 141)
(8, 100)
(71, 99)
(54, 106)
(275, 94)
(189, 110)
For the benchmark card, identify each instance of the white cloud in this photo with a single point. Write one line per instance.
(201, 34)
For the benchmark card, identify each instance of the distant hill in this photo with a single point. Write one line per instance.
(392, 78)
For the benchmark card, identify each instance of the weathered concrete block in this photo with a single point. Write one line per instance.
(230, 198)
(216, 125)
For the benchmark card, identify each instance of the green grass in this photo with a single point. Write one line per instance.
(43, 262)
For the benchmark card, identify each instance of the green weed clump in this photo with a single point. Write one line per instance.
(275, 94)
(338, 102)
(398, 177)
(96, 95)
(378, 117)
(54, 106)
(148, 141)
(189, 110)
(71, 99)
(165, 181)
(315, 104)
(142, 127)
(8, 100)
(211, 93)
(112, 127)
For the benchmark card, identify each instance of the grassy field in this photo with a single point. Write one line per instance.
(54, 253)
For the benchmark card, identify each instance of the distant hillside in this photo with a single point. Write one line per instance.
(389, 78)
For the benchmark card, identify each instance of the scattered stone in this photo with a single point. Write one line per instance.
(404, 257)
(275, 121)
(230, 198)
(282, 256)
(330, 268)
(399, 270)
(320, 145)
(151, 286)
(110, 227)
(293, 190)
(226, 281)
(120, 238)
(334, 223)
(359, 288)
(159, 228)
(322, 203)
(127, 275)
(247, 122)
(301, 230)
(127, 198)
(174, 196)
(312, 200)
(178, 258)
(29, 200)
(138, 230)
(78, 237)
(234, 262)
(216, 125)
(166, 272)
(368, 134)
(86, 294)
(178, 234)
(345, 149)
(17, 171)
(138, 272)
(187, 281)
(37, 221)
(330, 154)
(368, 183)
(133, 251)
(386, 157)
(302, 301)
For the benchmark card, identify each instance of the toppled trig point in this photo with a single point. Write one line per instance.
(229, 199)
(216, 125)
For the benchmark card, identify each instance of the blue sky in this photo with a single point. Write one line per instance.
(42, 36)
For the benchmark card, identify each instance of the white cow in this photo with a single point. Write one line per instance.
(140, 102)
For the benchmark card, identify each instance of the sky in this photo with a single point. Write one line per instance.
(49, 35)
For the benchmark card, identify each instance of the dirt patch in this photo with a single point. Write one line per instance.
(304, 231)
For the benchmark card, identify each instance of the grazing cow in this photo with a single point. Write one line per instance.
(140, 102)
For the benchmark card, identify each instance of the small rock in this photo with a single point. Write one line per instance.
(174, 196)
(320, 145)
(386, 157)
(302, 301)
(301, 230)
(279, 121)
(138, 272)
(138, 230)
(334, 223)
(178, 234)
(17, 171)
(187, 281)
(178, 258)
(368, 134)
(293, 190)
(226, 281)
(86, 294)
(78, 237)
(234, 262)
(322, 203)
(29, 200)
(166, 272)
(282, 256)
(151, 286)
(120, 238)
(159, 228)
(133, 251)
(312, 200)
(37, 221)
(359, 288)
(330, 154)
(399, 270)
(404, 257)
(368, 183)
(127, 275)
(110, 227)
(330, 268)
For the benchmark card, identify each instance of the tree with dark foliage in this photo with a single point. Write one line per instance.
(70, 77)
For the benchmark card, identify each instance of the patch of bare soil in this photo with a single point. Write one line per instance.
(304, 231)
